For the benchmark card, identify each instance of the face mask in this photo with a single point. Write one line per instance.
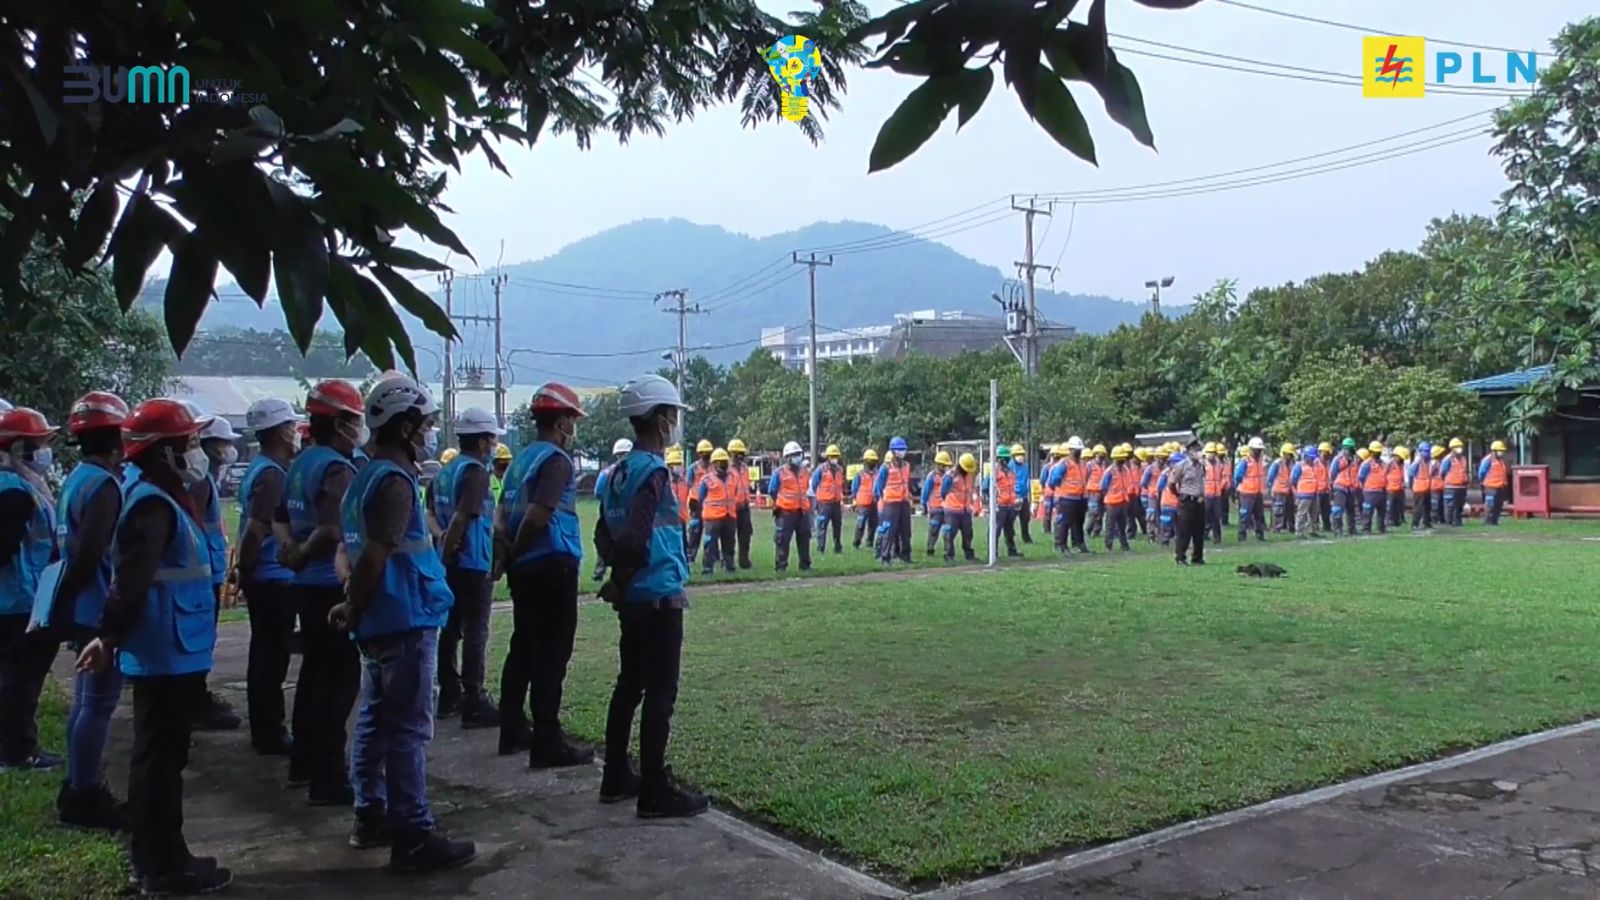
(40, 460)
(794, 462)
(294, 440)
(230, 455)
(192, 466)
(674, 435)
(569, 436)
(363, 435)
(430, 443)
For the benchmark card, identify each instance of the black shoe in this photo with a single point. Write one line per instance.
(746, 564)
(666, 799)
(429, 852)
(805, 567)
(483, 714)
(1198, 562)
(331, 793)
(1262, 538)
(216, 715)
(1182, 562)
(707, 572)
(371, 829)
(617, 785)
(299, 777)
(94, 808)
(514, 738)
(559, 752)
(728, 568)
(37, 761)
(930, 553)
(449, 706)
(278, 745)
(192, 881)
(1013, 554)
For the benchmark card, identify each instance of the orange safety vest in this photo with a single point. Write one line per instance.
(1092, 472)
(1320, 468)
(1213, 480)
(1117, 491)
(698, 470)
(1457, 476)
(1005, 486)
(1348, 475)
(718, 504)
(1377, 477)
(864, 487)
(680, 489)
(1169, 496)
(897, 485)
(1073, 476)
(1422, 482)
(1434, 479)
(1495, 478)
(1152, 491)
(830, 487)
(741, 485)
(1255, 476)
(1307, 485)
(792, 489)
(1396, 475)
(960, 494)
(1281, 485)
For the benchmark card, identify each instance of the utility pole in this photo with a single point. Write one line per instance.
(499, 283)
(811, 351)
(1030, 356)
(447, 377)
(683, 311)
(1156, 284)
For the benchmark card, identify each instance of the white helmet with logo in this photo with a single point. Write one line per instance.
(268, 413)
(646, 393)
(394, 394)
(477, 420)
(1075, 443)
(218, 429)
(622, 447)
(1257, 444)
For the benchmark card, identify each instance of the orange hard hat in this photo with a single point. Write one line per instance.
(154, 421)
(97, 409)
(334, 398)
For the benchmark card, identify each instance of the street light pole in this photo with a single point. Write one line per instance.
(1156, 284)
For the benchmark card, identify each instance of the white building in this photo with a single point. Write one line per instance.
(789, 345)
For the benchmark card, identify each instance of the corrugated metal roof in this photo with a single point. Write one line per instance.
(1507, 382)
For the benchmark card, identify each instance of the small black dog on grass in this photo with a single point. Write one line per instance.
(1262, 570)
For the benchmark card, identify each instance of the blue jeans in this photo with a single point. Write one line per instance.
(394, 723)
(94, 699)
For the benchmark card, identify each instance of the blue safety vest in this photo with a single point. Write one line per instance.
(477, 542)
(216, 534)
(19, 575)
(412, 593)
(80, 487)
(306, 475)
(177, 630)
(562, 537)
(267, 566)
(667, 570)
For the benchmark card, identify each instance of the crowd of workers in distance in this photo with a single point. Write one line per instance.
(1168, 493)
(129, 567)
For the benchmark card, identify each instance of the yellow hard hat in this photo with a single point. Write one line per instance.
(1099, 449)
(1018, 451)
(502, 452)
(1456, 444)
(703, 447)
(1498, 446)
(736, 446)
(969, 463)
(1375, 447)
(1287, 449)
(1403, 452)
(1438, 451)
(1119, 452)
(674, 456)
(1325, 447)
(870, 456)
(832, 452)
(448, 455)
(1162, 452)
(1058, 450)
(1141, 454)
(942, 458)
(720, 455)
(1364, 453)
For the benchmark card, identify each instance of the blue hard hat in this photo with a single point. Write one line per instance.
(1310, 453)
(1424, 448)
(898, 445)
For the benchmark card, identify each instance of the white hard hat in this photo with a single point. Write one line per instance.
(269, 412)
(646, 393)
(5, 406)
(394, 394)
(477, 420)
(622, 447)
(1257, 444)
(792, 449)
(219, 429)
(1075, 443)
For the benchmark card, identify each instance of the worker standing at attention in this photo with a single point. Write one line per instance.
(1304, 478)
(680, 488)
(619, 451)
(893, 492)
(1214, 477)
(502, 463)
(1374, 489)
(861, 488)
(827, 490)
(743, 524)
(700, 469)
(1141, 467)
(1092, 470)
(932, 503)
(713, 504)
(1186, 482)
(1117, 488)
(1344, 475)
(1495, 479)
(1282, 491)
(1419, 477)
(1455, 470)
(217, 442)
(1325, 485)
(1436, 481)
(1047, 493)
(1150, 485)
(1251, 476)
(791, 511)
(27, 547)
(956, 493)
(1070, 480)
(1395, 473)
(1019, 467)
(1006, 507)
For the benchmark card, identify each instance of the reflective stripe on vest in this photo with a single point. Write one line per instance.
(1213, 479)
(177, 630)
(411, 594)
(719, 491)
(830, 487)
(898, 482)
(792, 489)
(959, 495)
(1255, 476)
(1495, 478)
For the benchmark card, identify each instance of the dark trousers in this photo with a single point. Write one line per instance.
(1006, 523)
(163, 719)
(696, 532)
(1096, 516)
(25, 661)
(720, 538)
(1422, 511)
(897, 543)
(1069, 522)
(830, 513)
(1025, 513)
(1282, 513)
(1251, 515)
(793, 525)
(1494, 502)
(1455, 505)
(466, 631)
(1191, 524)
(1117, 525)
(743, 529)
(649, 654)
(272, 608)
(866, 523)
(957, 523)
(544, 624)
(1346, 504)
(1397, 508)
(935, 526)
(1136, 512)
(1325, 508)
(1437, 501)
(1214, 507)
(1374, 508)
(325, 692)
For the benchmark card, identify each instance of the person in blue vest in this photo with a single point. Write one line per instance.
(463, 506)
(268, 585)
(89, 506)
(27, 547)
(396, 601)
(307, 529)
(543, 552)
(218, 440)
(641, 537)
(160, 627)
(619, 451)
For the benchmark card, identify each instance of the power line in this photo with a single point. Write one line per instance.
(772, 281)
(1364, 30)
(545, 282)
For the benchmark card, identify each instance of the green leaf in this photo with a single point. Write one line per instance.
(401, 258)
(975, 87)
(1022, 67)
(915, 120)
(299, 265)
(99, 213)
(346, 304)
(472, 51)
(426, 223)
(1125, 101)
(189, 289)
(414, 301)
(144, 230)
(1060, 117)
(387, 327)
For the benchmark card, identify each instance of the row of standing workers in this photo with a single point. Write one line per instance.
(130, 565)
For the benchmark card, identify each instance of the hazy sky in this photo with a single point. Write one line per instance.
(1206, 120)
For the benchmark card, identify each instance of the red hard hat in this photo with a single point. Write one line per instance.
(334, 398)
(23, 422)
(154, 421)
(554, 397)
(97, 409)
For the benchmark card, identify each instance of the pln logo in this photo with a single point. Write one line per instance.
(1397, 67)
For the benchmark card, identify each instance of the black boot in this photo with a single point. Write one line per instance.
(216, 715)
(197, 878)
(558, 752)
(664, 798)
(372, 829)
(428, 851)
(94, 808)
(515, 737)
(619, 783)
(481, 713)
(331, 791)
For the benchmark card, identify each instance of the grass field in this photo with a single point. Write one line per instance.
(939, 727)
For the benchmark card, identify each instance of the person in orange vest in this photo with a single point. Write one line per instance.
(1141, 466)
(1304, 478)
(866, 505)
(1325, 485)
(1419, 478)
(1343, 476)
(713, 504)
(1093, 470)
(1006, 505)
(1150, 484)
(1216, 476)
(1070, 479)
(1019, 467)
(700, 469)
(893, 492)
(1395, 473)
(680, 488)
(1282, 490)
(827, 489)
(1251, 477)
(1436, 481)
(932, 505)
(1495, 478)
(956, 492)
(1374, 479)
(1047, 493)
(1167, 490)
(743, 523)
(1456, 472)
(791, 511)
(1118, 485)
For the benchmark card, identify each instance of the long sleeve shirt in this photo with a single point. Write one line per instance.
(1105, 479)
(927, 488)
(1335, 468)
(1363, 472)
(628, 552)
(1239, 470)
(1483, 468)
(1444, 467)
(1024, 479)
(879, 483)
